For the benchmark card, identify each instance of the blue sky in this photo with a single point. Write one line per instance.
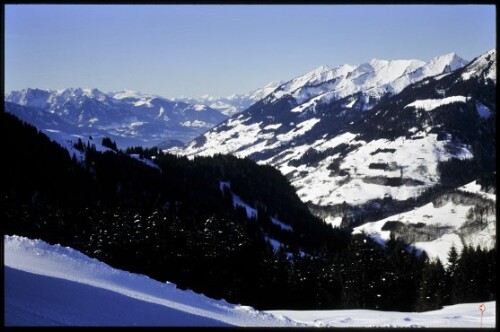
(192, 50)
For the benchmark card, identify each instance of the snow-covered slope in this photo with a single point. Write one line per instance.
(128, 117)
(446, 222)
(50, 285)
(453, 316)
(315, 94)
(364, 137)
(53, 285)
(303, 129)
(235, 103)
(484, 67)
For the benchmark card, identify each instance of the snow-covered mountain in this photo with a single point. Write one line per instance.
(373, 137)
(235, 103)
(50, 285)
(309, 115)
(372, 80)
(130, 118)
(288, 107)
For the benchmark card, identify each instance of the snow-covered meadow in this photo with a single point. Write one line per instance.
(450, 215)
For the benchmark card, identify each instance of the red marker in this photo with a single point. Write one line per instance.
(482, 308)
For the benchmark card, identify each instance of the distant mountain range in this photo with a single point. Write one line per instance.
(130, 118)
(235, 103)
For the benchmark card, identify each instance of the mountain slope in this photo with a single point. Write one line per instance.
(304, 129)
(466, 216)
(355, 163)
(128, 118)
(330, 95)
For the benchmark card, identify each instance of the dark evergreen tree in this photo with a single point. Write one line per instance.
(79, 145)
(432, 287)
(451, 294)
(107, 142)
(405, 267)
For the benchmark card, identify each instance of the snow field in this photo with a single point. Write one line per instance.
(474, 187)
(431, 104)
(454, 316)
(319, 186)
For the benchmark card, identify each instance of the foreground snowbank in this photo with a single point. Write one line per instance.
(53, 285)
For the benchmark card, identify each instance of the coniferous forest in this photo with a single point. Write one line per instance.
(175, 222)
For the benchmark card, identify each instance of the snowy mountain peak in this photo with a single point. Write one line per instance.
(34, 91)
(265, 91)
(129, 94)
(314, 76)
(272, 84)
(68, 93)
(343, 70)
(374, 78)
(29, 97)
(447, 62)
(449, 57)
(321, 69)
(387, 71)
(316, 73)
(483, 66)
(397, 65)
(80, 91)
(378, 63)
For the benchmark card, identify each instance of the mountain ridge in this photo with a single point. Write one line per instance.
(235, 103)
(130, 118)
